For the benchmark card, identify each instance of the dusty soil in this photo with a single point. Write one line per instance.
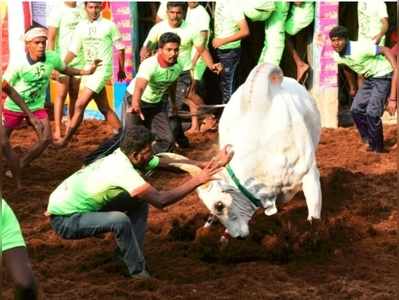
(351, 254)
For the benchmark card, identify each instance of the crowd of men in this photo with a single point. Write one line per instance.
(110, 194)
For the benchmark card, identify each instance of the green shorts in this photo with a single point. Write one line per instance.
(10, 231)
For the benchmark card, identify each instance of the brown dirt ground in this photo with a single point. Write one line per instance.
(351, 254)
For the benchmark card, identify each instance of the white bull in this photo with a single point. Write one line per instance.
(273, 126)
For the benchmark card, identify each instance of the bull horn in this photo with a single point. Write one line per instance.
(178, 162)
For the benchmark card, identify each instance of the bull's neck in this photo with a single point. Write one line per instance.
(248, 195)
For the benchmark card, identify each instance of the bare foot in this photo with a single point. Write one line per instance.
(57, 134)
(301, 73)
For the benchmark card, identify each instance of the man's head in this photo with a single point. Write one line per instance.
(136, 145)
(339, 38)
(192, 4)
(175, 12)
(35, 40)
(93, 9)
(168, 47)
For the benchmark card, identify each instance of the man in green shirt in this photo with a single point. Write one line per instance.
(147, 96)
(149, 91)
(378, 66)
(96, 36)
(30, 76)
(110, 195)
(15, 255)
(11, 157)
(230, 28)
(190, 38)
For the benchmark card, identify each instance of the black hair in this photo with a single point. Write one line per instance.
(35, 25)
(340, 32)
(87, 2)
(168, 37)
(171, 4)
(136, 139)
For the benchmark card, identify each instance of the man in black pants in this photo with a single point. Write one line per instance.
(145, 101)
(378, 66)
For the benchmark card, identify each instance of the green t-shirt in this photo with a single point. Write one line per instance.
(31, 80)
(65, 19)
(159, 79)
(10, 231)
(369, 15)
(363, 58)
(189, 38)
(228, 15)
(258, 10)
(90, 188)
(96, 39)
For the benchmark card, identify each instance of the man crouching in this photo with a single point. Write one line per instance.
(110, 195)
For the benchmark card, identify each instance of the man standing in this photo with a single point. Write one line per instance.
(95, 36)
(378, 66)
(61, 25)
(189, 39)
(230, 28)
(30, 76)
(110, 195)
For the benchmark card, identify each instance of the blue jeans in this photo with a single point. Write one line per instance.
(124, 216)
(229, 59)
(367, 109)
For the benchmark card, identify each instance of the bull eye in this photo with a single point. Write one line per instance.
(219, 206)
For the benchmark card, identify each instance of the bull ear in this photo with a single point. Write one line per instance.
(219, 206)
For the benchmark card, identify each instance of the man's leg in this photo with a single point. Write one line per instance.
(358, 110)
(11, 157)
(84, 98)
(183, 85)
(74, 85)
(229, 59)
(302, 68)
(375, 109)
(18, 265)
(136, 210)
(62, 90)
(160, 127)
(82, 225)
(103, 106)
(40, 146)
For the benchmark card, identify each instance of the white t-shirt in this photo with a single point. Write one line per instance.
(228, 15)
(188, 35)
(198, 18)
(96, 39)
(65, 19)
(370, 14)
